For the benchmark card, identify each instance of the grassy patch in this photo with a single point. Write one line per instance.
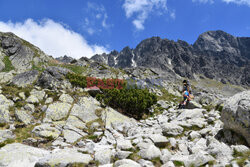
(168, 96)
(8, 64)
(178, 163)
(157, 162)
(21, 134)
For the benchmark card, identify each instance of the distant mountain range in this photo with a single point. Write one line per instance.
(215, 55)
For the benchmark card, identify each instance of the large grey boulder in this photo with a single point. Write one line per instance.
(17, 154)
(103, 156)
(171, 129)
(57, 111)
(236, 114)
(150, 153)
(64, 158)
(46, 131)
(53, 77)
(26, 78)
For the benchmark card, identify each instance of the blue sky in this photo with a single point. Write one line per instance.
(85, 27)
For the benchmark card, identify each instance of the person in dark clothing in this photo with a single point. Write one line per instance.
(187, 94)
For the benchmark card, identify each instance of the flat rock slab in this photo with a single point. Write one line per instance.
(64, 157)
(17, 154)
(57, 111)
(26, 78)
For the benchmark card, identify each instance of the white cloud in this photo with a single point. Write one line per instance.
(141, 9)
(53, 38)
(239, 2)
(96, 19)
(204, 1)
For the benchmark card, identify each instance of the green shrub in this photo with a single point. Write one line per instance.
(77, 80)
(132, 102)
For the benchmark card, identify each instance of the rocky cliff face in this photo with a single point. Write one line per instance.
(215, 55)
(16, 53)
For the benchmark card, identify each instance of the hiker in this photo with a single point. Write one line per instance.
(187, 94)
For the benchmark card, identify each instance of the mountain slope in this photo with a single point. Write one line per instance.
(215, 55)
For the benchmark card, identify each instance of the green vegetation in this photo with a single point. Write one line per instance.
(168, 96)
(178, 163)
(241, 157)
(77, 80)
(12, 91)
(21, 134)
(8, 64)
(131, 102)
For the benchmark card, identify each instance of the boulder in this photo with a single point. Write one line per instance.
(64, 158)
(159, 140)
(66, 98)
(6, 77)
(46, 131)
(150, 153)
(4, 109)
(57, 111)
(23, 116)
(26, 78)
(53, 77)
(103, 156)
(126, 163)
(236, 114)
(171, 129)
(193, 104)
(17, 154)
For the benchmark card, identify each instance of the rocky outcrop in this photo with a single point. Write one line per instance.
(21, 53)
(236, 114)
(26, 78)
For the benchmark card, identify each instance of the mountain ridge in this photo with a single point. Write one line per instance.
(215, 54)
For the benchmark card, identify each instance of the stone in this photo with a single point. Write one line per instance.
(17, 154)
(163, 104)
(49, 100)
(122, 154)
(103, 156)
(240, 148)
(64, 157)
(6, 134)
(22, 95)
(38, 94)
(166, 155)
(193, 104)
(236, 114)
(84, 113)
(6, 77)
(126, 163)
(150, 153)
(66, 98)
(71, 136)
(191, 114)
(145, 163)
(32, 99)
(159, 140)
(53, 78)
(124, 144)
(29, 107)
(193, 135)
(23, 116)
(4, 109)
(45, 130)
(76, 122)
(26, 78)
(57, 111)
(168, 164)
(109, 116)
(170, 129)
